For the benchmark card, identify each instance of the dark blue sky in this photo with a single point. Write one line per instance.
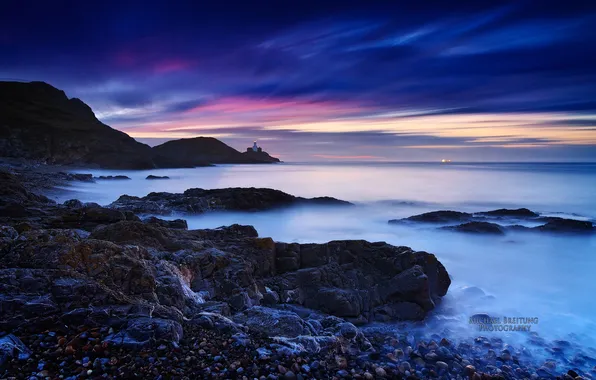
(393, 80)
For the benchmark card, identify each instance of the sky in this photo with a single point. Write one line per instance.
(324, 81)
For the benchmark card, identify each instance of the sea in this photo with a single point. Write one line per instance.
(547, 279)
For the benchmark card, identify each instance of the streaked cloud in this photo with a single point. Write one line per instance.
(332, 79)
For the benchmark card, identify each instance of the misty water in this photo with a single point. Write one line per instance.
(540, 276)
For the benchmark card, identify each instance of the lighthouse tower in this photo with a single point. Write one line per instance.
(255, 147)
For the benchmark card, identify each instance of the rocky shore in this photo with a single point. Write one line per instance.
(499, 222)
(97, 292)
(197, 201)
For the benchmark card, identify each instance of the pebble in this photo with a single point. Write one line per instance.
(380, 372)
(442, 365)
(470, 370)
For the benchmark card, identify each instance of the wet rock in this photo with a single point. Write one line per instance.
(348, 330)
(12, 347)
(273, 322)
(176, 223)
(396, 292)
(143, 332)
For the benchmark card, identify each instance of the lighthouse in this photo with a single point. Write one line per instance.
(255, 147)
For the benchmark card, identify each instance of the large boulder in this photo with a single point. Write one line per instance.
(353, 278)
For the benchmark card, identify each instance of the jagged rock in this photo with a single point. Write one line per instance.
(273, 322)
(345, 279)
(210, 320)
(478, 228)
(73, 203)
(176, 223)
(151, 176)
(142, 332)
(195, 201)
(11, 347)
(87, 217)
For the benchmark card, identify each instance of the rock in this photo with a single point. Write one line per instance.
(86, 217)
(470, 370)
(273, 322)
(142, 332)
(78, 177)
(437, 217)
(566, 226)
(353, 263)
(348, 330)
(442, 365)
(380, 372)
(176, 223)
(12, 347)
(210, 320)
(113, 177)
(477, 228)
(151, 176)
(196, 201)
(514, 213)
(270, 297)
(73, 203)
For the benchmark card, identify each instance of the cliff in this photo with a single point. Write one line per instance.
(39, 122)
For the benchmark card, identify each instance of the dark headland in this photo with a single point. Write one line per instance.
(39, 122)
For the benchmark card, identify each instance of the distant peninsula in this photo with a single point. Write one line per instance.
(39, 122)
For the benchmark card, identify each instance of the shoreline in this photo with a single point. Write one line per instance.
(422, 358)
